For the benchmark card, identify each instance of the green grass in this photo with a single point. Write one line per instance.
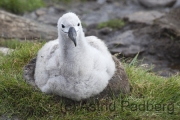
(11, 43)
(114, 24)
(21, 6)
(19, 99)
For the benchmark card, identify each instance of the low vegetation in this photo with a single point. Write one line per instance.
(21, 6)
(114, 24)
(152, 97)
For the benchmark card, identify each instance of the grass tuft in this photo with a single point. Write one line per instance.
(114, 24)
(12, 44)
(21, 6)
(159, 96)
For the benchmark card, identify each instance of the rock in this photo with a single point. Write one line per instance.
(145, 17)
(101, 1)
(41, 11)
(5, 51)
(49, 19)
(31, 16)
(17, 27)
(48, 15)
(128, 52)
(93, 17)
(177, 4)
(127, 44)
(157, 3)
(170, 22)
(118, 84)
(105, 31)
(165, 73)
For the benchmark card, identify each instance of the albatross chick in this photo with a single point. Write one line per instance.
(75, 66)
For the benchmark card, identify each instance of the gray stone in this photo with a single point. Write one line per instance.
(17, 27)
(128, 52)
(101, 1)
(31, 16)
(127, 44)
(157, 3)
(41, 11)
(51, 10)
(146, 17)
(177, 4)
(5, 51)
(170, 22)
(105, 31)
(49, 19)
(48, 15)
(95, 17)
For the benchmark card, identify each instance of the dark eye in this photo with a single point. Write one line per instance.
(78, 24)
(63, 26)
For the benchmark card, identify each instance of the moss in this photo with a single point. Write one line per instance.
(20, 6)
(114, 24)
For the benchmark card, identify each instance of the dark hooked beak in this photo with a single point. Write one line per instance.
(72, 34)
